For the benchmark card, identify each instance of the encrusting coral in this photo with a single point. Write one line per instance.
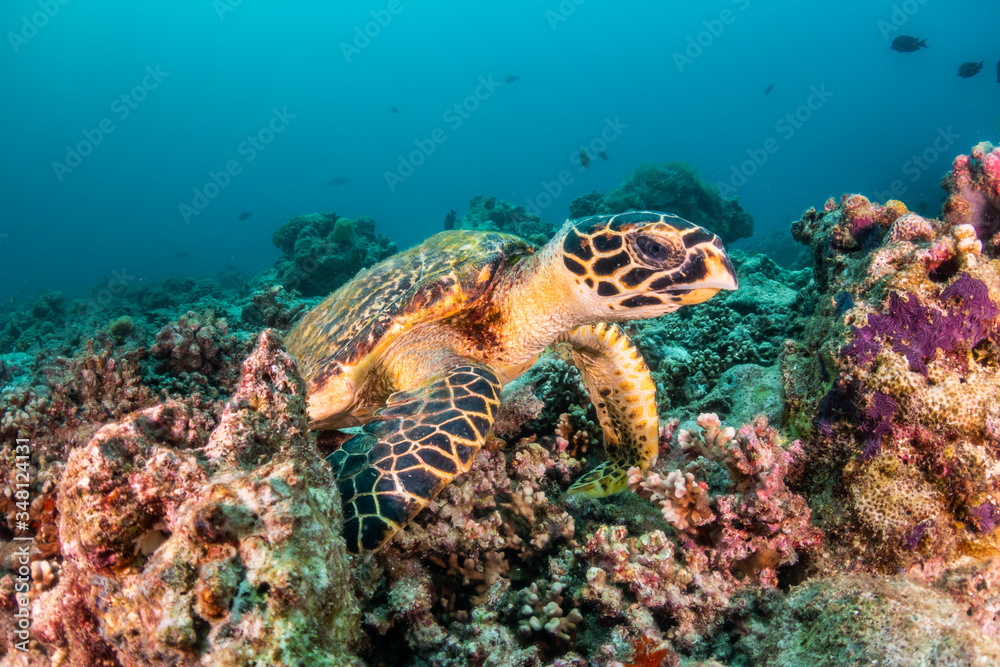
(187, 546)
(896, 383)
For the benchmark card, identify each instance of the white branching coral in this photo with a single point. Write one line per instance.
(711, 442)
(683, 501)
(542, 610)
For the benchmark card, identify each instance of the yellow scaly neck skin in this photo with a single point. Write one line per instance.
(535, 303)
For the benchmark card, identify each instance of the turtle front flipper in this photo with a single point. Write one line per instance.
(623, 393)
(415, 446)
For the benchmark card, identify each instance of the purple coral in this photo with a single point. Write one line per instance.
(985, 516)
(918, 332)
(877, 422)
(975, 313)
(911, 540)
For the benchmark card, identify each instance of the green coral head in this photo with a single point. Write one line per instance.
(343, 231)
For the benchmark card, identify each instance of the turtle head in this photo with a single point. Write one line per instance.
(642, 264)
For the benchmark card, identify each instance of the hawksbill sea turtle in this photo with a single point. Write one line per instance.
(417, 348)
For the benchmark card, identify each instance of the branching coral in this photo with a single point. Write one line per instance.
(542, 610)
(683, 501)
(758, 524)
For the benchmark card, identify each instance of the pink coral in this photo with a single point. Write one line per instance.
(218, 556)
(974, 192)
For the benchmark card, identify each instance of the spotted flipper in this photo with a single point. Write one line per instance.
(621, 389)
(415, 446)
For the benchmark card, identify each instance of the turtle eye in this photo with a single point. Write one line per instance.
(653, 249)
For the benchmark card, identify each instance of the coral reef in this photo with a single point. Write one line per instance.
(689, 351)
(195, 350)
(864, 619)
(973, 188)
(322, 251)
(185, 545)
(181, 512)
(676, 188)
(496, 215)
(896, 382)
(271, 307)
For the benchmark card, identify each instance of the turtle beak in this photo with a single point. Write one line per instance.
(707, 271)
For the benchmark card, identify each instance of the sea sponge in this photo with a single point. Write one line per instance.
(121, 328)
(343, 231)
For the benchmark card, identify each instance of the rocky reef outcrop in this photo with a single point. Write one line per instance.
(322, 251)
(676, 188)
(896, 384)
(188, 544)
(496, 215)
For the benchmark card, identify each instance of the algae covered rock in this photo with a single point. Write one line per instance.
(490, 214)
(871, 620)
(185, 547)
(674, 187)
(322, 251)
(745, 391)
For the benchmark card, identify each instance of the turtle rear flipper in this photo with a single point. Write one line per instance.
(623, 393)
(415, 446)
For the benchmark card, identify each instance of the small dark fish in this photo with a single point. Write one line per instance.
(998, 71)
(584, 158)
(449, 220)
(182, 255)
(770, 87)
(907, 44)
(602, 155)
(338, 181)
(970, 69)
(511, 78)
(394, 109)
(244, 215)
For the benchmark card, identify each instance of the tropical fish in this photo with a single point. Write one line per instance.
(970, 69)
(338, 181)
(244, 215)
(394, 109)
(584, 158)
(602, 155)
(511, 78)
(770, 87)
(907, 44)
(449, 220)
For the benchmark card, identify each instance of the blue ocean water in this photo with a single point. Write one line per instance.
(134, 135)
